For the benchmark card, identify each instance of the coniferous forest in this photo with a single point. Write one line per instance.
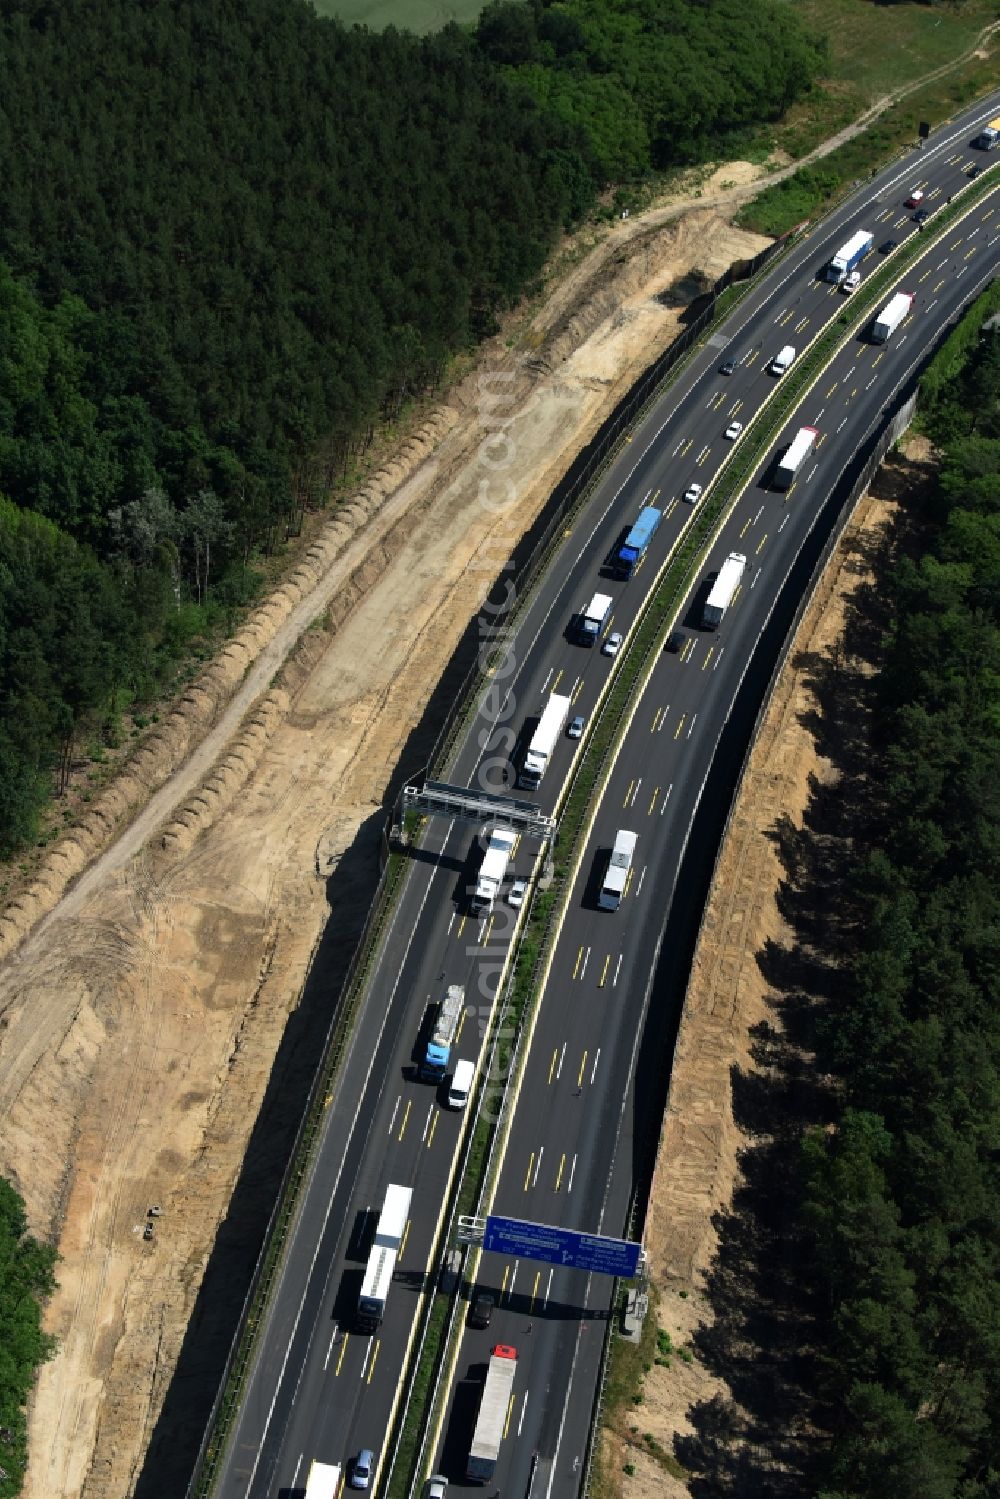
(903, 1196)
(234, 238)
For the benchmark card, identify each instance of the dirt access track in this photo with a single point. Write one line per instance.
(147, 992)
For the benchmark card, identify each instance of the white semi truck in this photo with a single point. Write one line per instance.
(381, 1265)
(849, 256)
(492, 1419)
(723, 590)
(892, 314)
(492, 870)
(795, 455)
(323, 1480)
(543, 741)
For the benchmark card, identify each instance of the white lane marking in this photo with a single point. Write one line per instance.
(548, 677)
(524, 1408)
(392, 1121)
(329, 1351)
(562, 1058)
(667, 797)
(510, 1288)
(820, 413)
(842, 425)
(451, 923)
(784, 523)
(618, 965)
(718, 658)
(427, 1122)
(641, 878)
(690, 731)
(538, 1165)
(572, 1173)
(586, 960)
(755, 577)
(548, 1287)
(593, 1070)
(813, 470)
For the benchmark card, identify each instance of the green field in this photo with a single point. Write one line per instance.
(410, 15)
(877, 48)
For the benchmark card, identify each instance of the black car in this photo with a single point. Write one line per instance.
(973, 171)
(887, 246)
(729, 368)
(481, 1310)
(921, 216)
(675, 641)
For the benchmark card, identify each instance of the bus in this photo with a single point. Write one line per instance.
(616, 876)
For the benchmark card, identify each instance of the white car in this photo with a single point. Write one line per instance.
(437, 1487)
(850, 283)
(575, 730)
(518, 891)
(613, 643)
(733, 430)
(693, 494)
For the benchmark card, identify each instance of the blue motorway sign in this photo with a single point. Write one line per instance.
(561, 1246)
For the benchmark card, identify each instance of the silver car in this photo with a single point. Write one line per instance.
(612, 645)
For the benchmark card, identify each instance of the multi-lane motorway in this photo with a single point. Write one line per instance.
(317, 1388)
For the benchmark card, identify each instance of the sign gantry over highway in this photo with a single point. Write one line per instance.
(556, 1246)
(438, 799)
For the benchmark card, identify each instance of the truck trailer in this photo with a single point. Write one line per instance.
(891, 316)
(492, 870)
(543, 741)
(381, 1265)
(792, 460)
(988, 136)
(593, 619)
(723, 590)
(492, 1418)
(849, 256)
(322, 1481)
(633, 548)
(434, 1063)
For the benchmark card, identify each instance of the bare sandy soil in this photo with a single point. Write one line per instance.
(145, 992)
(728, 1001)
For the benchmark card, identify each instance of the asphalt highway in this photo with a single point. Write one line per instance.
(318, 1389)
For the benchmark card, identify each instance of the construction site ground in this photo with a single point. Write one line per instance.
(154, 1043)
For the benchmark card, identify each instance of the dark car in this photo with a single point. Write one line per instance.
(481, 1310)
(974, 171)
(729, 368)
(921, 216)
(675, 641)
(887, 246)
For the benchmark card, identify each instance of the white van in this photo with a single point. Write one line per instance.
(782, 360)
(461, 1084)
